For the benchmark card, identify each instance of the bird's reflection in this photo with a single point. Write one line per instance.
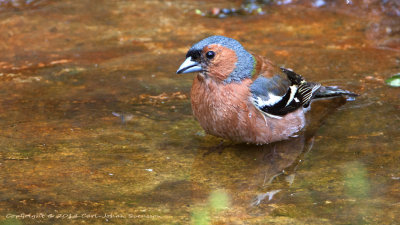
(254, 175)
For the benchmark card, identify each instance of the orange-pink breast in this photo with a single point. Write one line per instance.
(224, 110)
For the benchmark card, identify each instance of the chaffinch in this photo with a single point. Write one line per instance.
(244, 97)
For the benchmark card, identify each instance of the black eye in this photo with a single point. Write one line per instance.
(210, 54)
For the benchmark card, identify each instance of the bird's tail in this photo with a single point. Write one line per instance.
(332, 91)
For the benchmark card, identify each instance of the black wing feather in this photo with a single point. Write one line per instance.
(289, 102)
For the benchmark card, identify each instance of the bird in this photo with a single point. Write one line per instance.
(246, 98)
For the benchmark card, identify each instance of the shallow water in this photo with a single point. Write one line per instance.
(96, 127)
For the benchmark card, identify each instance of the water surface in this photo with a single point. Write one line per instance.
(96, 127)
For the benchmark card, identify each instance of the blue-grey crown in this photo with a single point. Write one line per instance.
(244, 65)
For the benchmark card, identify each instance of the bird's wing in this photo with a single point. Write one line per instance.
(281, 92)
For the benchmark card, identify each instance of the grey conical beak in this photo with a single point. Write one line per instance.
(189, 66)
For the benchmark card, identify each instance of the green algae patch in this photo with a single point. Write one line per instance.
(218, 201)
(393, 81)
(356, 180)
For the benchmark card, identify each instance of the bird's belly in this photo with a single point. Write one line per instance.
(224, 110)
(218, 118)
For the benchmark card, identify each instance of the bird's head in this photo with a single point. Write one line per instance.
(220, 58)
